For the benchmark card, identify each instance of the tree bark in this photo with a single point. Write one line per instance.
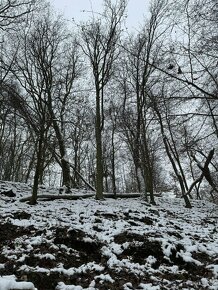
(38, 171)
(99, 157)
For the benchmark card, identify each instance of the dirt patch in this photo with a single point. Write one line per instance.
(140, 248)
(112, 216)
(9, 232)
(49, 282)
(44, 281)
(202, 257)
(128, 237)
(194, 271)
(43, 262)
(145, 220)
(138, 252)
(21, 215)
(77, 241)
(175, 234)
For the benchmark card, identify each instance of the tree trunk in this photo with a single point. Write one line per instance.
(66, 174)
(147, 166)
(99, 157)
(113, 176)
(65, 166)
(67, 181)
(38, 171)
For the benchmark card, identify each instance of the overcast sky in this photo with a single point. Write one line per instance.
(81, 10)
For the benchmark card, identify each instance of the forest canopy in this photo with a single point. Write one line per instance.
(91, 105)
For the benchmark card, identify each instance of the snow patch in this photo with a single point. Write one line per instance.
(9, 282)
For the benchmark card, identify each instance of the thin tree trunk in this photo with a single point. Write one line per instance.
(113, 177)
(38, 172)
(99, 156)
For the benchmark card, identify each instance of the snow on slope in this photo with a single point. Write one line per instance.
(111, 244)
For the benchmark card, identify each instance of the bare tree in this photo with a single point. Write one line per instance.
(13, 11)
(15, 140)
(100, 38)
(46, 68)
(13, 15)
(141, 51)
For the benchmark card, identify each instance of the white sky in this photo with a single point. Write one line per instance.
(137, 9)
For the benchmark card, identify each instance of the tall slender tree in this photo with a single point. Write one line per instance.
(100, 38)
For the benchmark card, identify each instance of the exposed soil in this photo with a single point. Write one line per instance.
(74, 249)
(108, 245)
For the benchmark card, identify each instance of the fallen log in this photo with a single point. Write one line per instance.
(53, 197)
(79, 196)
(122, 195)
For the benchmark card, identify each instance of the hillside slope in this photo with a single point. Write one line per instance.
(111, 244)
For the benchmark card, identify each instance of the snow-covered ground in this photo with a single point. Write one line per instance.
(111, 244)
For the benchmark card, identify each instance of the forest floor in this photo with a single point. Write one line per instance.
(110, 244)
